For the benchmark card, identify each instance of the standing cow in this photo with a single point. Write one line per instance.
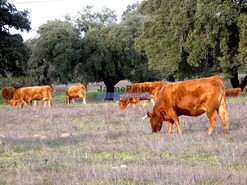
(78, 91)
(191, 98)
(28, 94)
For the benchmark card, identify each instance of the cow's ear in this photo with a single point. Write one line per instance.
(149, 114)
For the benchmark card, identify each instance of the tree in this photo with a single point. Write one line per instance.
(191, 38)
(105, 57)
(55, 52)
(13, 53)
(89, 19)
(130, 11)
(109, 54)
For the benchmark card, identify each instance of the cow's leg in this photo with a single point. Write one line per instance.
(176, 121)
(223, 117)
(139, 105)
(84, 100)
(49, 103)
(46, 101)
(21, 103)
(211, 119)
(67, 100)
(146, 102)
(169, 128)
(34, 103)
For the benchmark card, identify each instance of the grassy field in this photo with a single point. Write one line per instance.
(97, 144)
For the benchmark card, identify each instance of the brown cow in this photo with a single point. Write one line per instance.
(234, 92)
(78, 91)
(28, 94)
(131, 98)
(50, 89)
(191, 98)
(8, 93)
(138, 90)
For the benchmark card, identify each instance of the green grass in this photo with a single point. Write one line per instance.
(236, 99)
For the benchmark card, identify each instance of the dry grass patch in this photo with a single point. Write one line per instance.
(97, 144)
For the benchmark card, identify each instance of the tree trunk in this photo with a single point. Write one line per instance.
(234, 78)
(234, 81)
(110, 84)
(243, 83)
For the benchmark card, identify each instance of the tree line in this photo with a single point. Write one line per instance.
(154, 40)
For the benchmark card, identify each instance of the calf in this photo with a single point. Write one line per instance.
(137, 90)
(237, 92)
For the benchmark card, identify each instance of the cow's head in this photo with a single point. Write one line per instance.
(123, 102)
(14, 103)
(156, 121)
(52, 88)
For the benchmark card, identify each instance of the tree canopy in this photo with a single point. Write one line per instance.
(156, 39)
(109, 52)
(13, 53)
(55, 52)
(190, 38)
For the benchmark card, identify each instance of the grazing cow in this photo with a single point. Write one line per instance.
(130, 98)
(8, 93)
(234, 92)
(28, 94)
(139, 90)
(191, 98)
(73, 92)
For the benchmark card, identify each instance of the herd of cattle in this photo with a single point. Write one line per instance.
(20, 95)
(170, 100)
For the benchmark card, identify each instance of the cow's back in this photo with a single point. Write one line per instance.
(234, 92)
(198, 95)
(75, 91)
(191, 98)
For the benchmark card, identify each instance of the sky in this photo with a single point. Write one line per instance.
(43, 10)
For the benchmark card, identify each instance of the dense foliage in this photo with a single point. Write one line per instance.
(55, 53)
(111, 52)
(13, 53)
(94, 48)
(190, 37)
(154, 40)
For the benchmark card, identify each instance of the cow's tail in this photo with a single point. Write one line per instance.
(222, 108)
